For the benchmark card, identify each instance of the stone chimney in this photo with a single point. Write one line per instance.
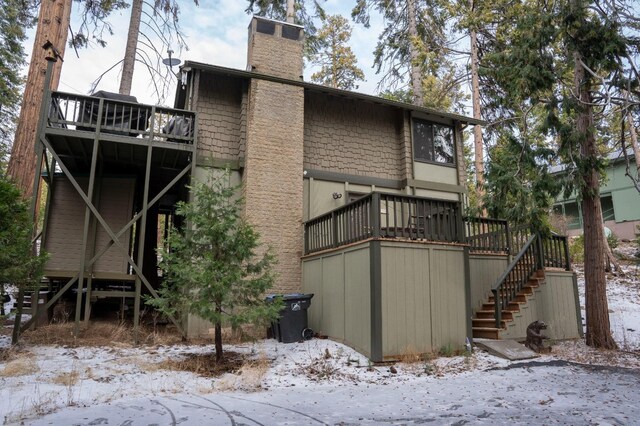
(275, 48)
(272, 178)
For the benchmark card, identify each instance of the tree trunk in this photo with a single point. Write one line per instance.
(291, 14)
(129, 60)
(636, 150)
(218, 333)
(598, 326)
(477, 130)
(53, 24)
(415, 68)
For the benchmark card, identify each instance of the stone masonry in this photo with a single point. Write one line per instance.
(272, 179)
(274, 55)
(273, 175)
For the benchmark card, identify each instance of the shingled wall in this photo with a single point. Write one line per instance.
(353, 137)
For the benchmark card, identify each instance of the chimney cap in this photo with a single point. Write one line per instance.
(262, 18)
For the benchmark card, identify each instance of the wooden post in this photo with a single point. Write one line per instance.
(375, 215)
(143, 229)
(87, 217)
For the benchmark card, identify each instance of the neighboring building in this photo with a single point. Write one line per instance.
(619, 198)
(360, 197)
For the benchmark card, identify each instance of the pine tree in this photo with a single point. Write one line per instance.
(337, 62)
(13, 21)
(19, 267)
(412, 51)
(211, 266)
(565, 57)
(53, 24)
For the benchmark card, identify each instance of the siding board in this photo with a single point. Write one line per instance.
(63, 241)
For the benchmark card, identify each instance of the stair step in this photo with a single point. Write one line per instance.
(486, 332)
(488, 323)
(485, 314)
(512, 306)
(522, 298)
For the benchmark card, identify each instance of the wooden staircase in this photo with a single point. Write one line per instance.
(484, 322)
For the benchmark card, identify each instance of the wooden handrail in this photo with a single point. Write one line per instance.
(515, 277)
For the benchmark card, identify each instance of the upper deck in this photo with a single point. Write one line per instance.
(125, 131)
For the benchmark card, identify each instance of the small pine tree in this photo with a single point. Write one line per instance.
(211, 266)
(18, 266)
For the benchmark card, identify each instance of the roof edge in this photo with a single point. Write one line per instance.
(338, 92)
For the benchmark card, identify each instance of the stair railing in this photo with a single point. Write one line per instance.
(517, 274)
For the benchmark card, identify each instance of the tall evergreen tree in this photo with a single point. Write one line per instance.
(337, 62)
(53, 24)
(564, 57)
(412, 50)
(14, 20)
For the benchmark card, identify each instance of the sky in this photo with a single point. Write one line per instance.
(216, 33)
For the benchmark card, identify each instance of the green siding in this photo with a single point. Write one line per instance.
(435, 173)
(626, 200)
(554, 302)
(626, 203)
(333, 296)
(341, 307)
(406, 307)
(423, 298)
(484, 272)
(357, 300)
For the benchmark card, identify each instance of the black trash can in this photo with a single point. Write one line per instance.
(292, 325)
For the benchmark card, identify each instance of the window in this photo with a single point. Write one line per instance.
(432, 142)
(606, 203)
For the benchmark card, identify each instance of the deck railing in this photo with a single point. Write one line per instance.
(513, 280)
(555, 252)
(385, 216)
(538, 252)
(93, 114)
(487, 235)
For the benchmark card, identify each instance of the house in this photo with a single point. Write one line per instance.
(619, 199)
(361, 199)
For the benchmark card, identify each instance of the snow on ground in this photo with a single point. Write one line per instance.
(321, 381)
(623, 295)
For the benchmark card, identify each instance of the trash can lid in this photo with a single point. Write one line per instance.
(296, 296)
(288, 296)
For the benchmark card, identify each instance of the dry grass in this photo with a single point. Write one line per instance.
(13, 352)
(248, 378)
(203, 364)
(99, 334)
(23, 366)
(410, 355)
(69, 378)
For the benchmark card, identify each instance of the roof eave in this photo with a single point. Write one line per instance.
(330, 90)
